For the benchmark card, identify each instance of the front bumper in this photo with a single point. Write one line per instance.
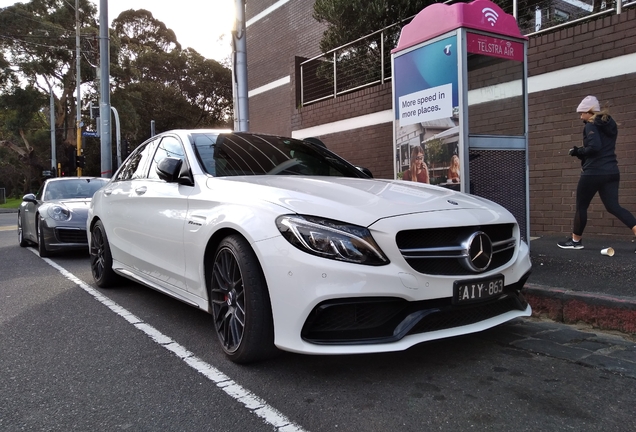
(322, 306)
(60, 238)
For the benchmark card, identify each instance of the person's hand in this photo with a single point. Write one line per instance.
(574, 151)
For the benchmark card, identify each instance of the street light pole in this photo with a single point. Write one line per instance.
(239, 70)
(104, 92)
(78, 80)
(52, 120)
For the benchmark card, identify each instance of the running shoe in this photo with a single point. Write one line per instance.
(570, 244)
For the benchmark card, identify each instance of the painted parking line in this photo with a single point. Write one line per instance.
(253, 403)
(9, 228)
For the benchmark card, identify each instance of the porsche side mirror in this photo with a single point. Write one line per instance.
(29, 198)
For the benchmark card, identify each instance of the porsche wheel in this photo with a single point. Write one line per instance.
(41, 244)
(240, 302)
(21, 240)
(101, 258)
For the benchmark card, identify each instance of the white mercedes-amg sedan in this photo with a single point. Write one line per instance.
(291, 247)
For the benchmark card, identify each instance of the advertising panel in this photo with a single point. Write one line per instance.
(426, 109)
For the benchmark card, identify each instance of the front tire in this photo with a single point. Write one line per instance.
(240, 302)
(44, 253)
(101, 258)
(21, 240)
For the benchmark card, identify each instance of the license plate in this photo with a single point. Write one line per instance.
(477, 290)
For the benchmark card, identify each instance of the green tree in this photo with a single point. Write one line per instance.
(39, 39)
(21, 117)
(348, 20)
(152, 78)
(157, 80)
(38, 56)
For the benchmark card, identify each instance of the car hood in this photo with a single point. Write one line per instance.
(75, 204)
(361, 201)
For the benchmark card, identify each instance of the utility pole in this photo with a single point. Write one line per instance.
(239, 69)
(79, 100)
(52, 120)
(104, 92)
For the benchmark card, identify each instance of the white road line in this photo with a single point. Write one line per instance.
(252, 402)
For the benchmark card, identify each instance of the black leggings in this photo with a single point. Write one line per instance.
(607, 188)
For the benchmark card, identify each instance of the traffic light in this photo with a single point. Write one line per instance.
(80, 161)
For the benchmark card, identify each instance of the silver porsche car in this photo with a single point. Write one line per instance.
(55, 217)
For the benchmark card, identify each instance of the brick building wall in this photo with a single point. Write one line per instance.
(554, 126)
(272, 46)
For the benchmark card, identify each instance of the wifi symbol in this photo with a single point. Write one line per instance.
(491, 16)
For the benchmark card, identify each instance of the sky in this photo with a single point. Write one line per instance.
(198, 24)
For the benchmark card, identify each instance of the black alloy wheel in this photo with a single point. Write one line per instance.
(21, 240)
(101, 258)
(240, 302)
(41, 244)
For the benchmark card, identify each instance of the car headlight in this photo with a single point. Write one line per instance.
(59, 213)
(331, 239)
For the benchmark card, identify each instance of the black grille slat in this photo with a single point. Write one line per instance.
(368, 321)
(460, 317)
(71, 235)
(434, 263)
(355, 319)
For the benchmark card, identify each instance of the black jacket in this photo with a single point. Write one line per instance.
(598, 154)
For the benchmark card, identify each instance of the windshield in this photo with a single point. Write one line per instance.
(237, 154)
(72, 188)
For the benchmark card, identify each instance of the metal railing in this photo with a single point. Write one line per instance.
(366, 61)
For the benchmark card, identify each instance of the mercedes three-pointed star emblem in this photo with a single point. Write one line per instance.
(478, 249)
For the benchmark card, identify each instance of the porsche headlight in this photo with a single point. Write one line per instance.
(331, 239)
(59, 213)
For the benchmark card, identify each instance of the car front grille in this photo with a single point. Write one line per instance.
(385, 320)
(66, 235)
(439, 251)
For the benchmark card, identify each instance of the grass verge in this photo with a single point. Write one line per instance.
(12, 203)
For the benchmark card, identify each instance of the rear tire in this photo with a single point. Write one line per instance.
(44, 253)
(101, 258)
(240, 302)
(21, 241)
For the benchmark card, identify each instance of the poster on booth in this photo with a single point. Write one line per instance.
(426, 109)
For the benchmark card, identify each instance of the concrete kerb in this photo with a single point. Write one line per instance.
(602, 311)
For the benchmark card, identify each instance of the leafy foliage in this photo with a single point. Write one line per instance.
(152, 78)
(349, 20)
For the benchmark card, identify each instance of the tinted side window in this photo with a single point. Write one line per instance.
(168, 147)
(136, 165)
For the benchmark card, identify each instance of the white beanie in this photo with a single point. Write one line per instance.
(590, 103)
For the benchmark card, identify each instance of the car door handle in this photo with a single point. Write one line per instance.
(140, 190)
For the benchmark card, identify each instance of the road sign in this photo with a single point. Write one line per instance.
(90, 134)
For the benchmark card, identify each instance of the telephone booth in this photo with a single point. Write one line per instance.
(460, 103)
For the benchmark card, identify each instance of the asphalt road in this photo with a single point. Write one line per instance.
(74, 357)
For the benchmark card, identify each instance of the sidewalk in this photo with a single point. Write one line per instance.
(582, 285)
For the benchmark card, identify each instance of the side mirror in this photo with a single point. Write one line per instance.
(366, 171)
(29, 198)
(174, 170)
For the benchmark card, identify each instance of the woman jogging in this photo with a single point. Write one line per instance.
(599, 170)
